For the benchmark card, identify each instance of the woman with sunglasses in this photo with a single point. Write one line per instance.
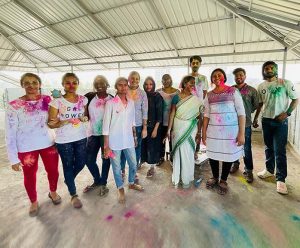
(68, 114)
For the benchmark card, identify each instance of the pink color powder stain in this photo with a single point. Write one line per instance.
(109, 218)
(128, 214)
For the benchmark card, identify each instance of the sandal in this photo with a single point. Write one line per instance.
(90, 187)
(136, 187)
(34, 212)
(211, 183)
(103, 191)
(75, 201)
(150, 173)
(55, 201)
(223, 187)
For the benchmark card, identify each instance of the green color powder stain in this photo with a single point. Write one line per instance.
(295, 218)
(277, 91)
(98, 127)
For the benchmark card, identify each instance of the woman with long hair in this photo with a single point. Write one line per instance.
(28, 137)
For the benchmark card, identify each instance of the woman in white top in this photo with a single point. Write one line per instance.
(96, 106)
(28, 137)
(223, 128)
(68, 115)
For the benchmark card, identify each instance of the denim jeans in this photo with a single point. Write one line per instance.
(275, 137)
(137, 149)
(94, 144)
(129, 154)
(248, 160)
(73, 157)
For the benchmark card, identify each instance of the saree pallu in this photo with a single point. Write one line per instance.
(184, 145)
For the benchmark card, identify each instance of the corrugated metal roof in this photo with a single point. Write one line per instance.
(59, 33)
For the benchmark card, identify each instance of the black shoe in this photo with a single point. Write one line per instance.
(248, 176)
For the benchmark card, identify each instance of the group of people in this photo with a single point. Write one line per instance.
(134, 125)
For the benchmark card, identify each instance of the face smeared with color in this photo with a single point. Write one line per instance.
(149, 86)
(70, 84)
(122, 87)
(100, 86)
(167, 81)
(134, 80)
(190, 86)
(270, 71)
(218, 78)
(31, 85)
(239, 77)
(195, 65)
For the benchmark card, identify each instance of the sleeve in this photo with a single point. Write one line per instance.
(260, 98)
(11, 126)
(175, 100)
(205, 83)
(291, 90)
(159, 109)
(107, 118)
(254, 99)
(85, 100)
(144, 106)
(206, 107)
(239, 104)
(54, 103)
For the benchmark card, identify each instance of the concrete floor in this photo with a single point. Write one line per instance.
(248, 216)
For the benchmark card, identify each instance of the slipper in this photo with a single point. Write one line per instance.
(223, 188)
(33, 213)
(56, 201)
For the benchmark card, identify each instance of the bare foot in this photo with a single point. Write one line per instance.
(34, 209)
(121, 197)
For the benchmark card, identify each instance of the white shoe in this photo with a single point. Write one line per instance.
(264, 174)
(281, 188)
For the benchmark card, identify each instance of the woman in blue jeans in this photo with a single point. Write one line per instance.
(96, 106)
(68, 115)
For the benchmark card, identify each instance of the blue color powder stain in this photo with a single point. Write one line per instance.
(231, 232)
(295, 218)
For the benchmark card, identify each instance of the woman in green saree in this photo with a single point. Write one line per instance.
(185, 132)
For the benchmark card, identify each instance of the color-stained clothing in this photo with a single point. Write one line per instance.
(26, 127)
(184, 133)
(201, 84)
(276, 96)
(223, 110)
(118, 121)
(167, 99)
(96, 112)
(67, 111)
(250, 99)
(139, 97)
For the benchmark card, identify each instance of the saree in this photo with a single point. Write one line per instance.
(184, 145)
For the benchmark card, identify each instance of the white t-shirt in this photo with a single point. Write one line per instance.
(276, 97)
(118, 121)
(96, 112)
(26, 127)
(67, 111)
(200, 85)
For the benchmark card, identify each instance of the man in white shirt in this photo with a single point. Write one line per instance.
(201, 88)
(275, 95)
(120, 135)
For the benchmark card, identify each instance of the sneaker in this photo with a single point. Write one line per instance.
(234, 168)
(281, 188)
(248, 176)
(264, 174)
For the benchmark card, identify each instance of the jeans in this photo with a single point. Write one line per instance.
(248, 160)
(275, 137)
(94, 144)
(73, 157)
(137, 149)
(130, 156)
